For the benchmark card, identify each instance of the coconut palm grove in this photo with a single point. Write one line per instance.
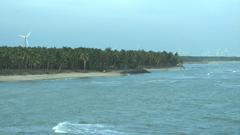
(41, 59)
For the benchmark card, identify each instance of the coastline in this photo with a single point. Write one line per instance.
(53, 76)
(208, 62)
(12, 78)
(163, 69)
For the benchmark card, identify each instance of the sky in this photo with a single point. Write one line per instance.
(190, 27)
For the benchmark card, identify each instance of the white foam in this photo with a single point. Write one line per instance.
(86, 129)
(210, 73)
(232, 71)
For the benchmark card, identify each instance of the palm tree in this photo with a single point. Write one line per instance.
(85, 58)
(44, 59)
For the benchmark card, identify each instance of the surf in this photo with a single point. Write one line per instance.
(86, 129)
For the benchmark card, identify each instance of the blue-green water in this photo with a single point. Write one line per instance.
(203, 99)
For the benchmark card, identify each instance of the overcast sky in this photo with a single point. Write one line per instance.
(191, 27)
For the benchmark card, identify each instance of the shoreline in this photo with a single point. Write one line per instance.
(53, 76)
(12, 78)
(163, 69)
(74, 74)
(208, 62)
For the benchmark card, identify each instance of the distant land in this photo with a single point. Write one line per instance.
(42, 60)
(206, 59)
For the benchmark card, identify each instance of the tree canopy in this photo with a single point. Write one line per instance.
(42, 58)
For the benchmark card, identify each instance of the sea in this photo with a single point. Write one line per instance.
(200, 99)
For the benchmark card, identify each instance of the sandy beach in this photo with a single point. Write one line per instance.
(9, 78)
(56, 76)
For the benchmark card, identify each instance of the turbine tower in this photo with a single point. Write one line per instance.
(25, 37)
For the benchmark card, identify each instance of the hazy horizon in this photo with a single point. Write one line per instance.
(210, 28)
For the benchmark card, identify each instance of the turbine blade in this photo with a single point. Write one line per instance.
(22, 36)
(28, 34)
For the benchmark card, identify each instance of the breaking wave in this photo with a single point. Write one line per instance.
(85, 129)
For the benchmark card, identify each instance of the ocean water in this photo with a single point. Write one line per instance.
(202, 99)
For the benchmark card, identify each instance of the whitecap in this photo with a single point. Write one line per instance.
(86, 129)
(210, 73)
(232, 71)
(235, 71)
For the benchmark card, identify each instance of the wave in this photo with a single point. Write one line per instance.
(108, 83)
(162, 80)
(224, 119)
(23, 129)
(232, 71)
(86, 129)
(157, 80)
(228, 85)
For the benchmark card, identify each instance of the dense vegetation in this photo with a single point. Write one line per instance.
(207, 58)
(60, 59)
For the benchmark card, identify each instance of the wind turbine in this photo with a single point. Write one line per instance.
(25, 37)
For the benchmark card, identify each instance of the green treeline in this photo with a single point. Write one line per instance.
(41, 58)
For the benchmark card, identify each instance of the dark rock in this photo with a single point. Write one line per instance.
(135, 71)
